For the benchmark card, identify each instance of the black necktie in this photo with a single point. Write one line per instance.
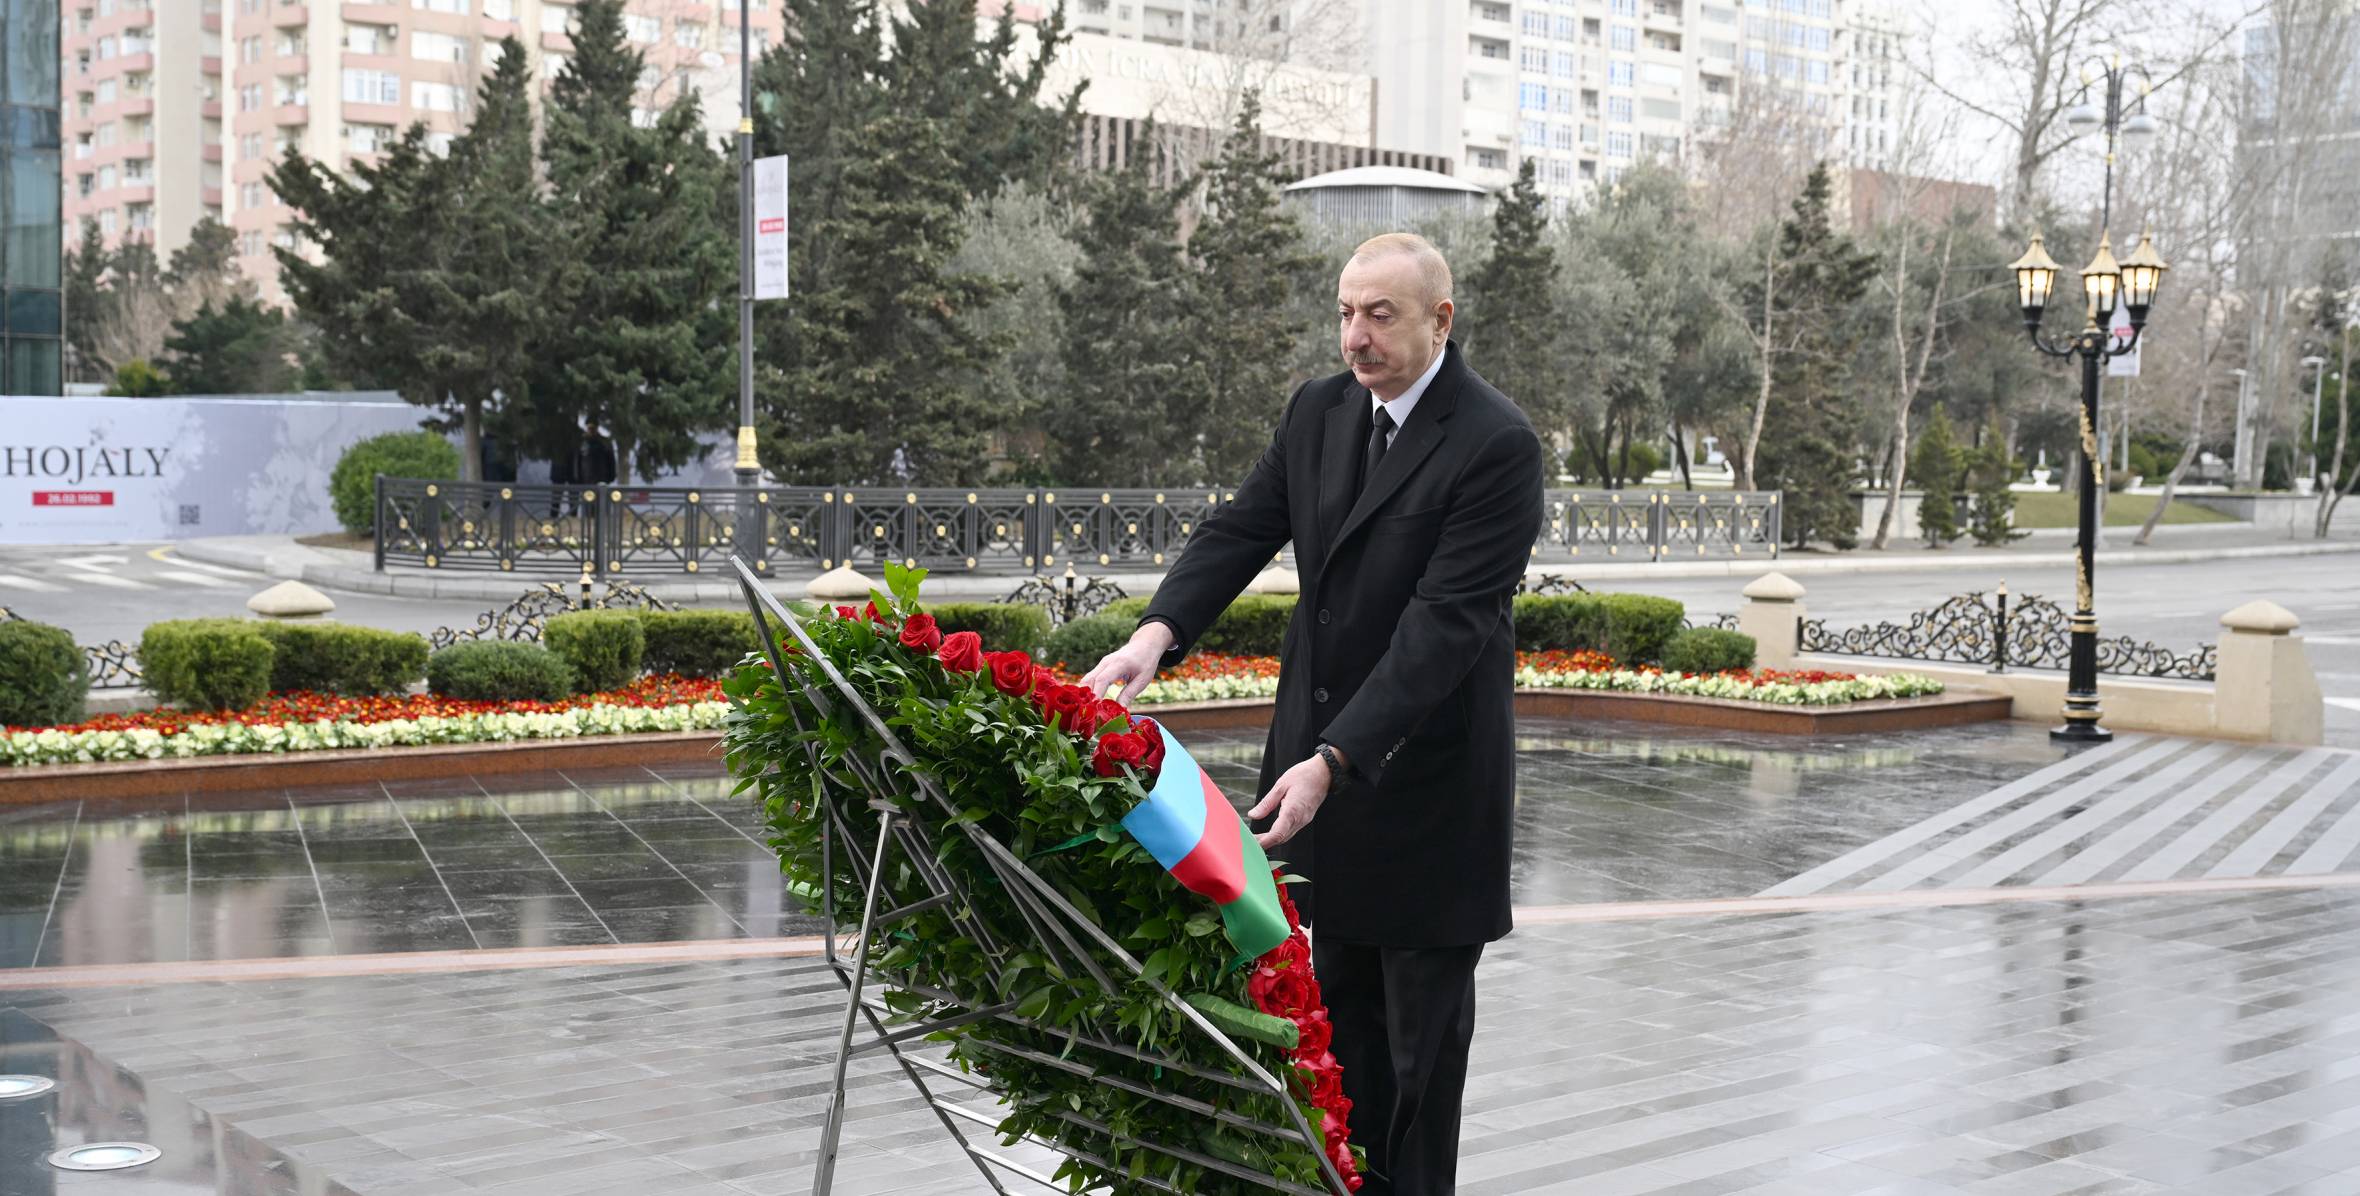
(1378, 425)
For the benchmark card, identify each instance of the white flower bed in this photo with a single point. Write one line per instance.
(1780, 693)
(236, 739)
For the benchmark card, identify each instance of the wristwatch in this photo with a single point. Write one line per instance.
(1327, 755)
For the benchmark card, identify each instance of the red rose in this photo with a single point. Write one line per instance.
(846, 612)
(1012, 672)
(1064, 705)
(962, 651)
(1339, 1152)
(1313, 1033)
(871, 614)
(1286, 904)
(1116, 750)
(1327, 1080)
(1044, 681)
(1104, 711)
(1292, 951)
(1334, 1127)
(1286, 992)
(1154, 736)
(920, 634)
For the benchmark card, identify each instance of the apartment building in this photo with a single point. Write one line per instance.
(1588, 88)
(177, 109)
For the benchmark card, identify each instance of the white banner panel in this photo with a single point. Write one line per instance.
(770, 227)
(91, 471)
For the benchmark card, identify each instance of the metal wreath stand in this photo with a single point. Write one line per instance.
(1059, 932)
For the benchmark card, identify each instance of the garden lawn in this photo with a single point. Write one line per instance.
(2122, 510)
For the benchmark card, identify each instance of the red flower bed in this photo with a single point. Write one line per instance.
(306, 707)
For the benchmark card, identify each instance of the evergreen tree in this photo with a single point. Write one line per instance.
(1810, 442)
(1935, 463)
(884, 381)
(240, 347)
(429, 271)
(1248, 248)
(1990, 469)
(644, 288)
(938, 70)
(367, 294)
(1511, 329)
(85, 299)
(1134, 384)
(205, 270)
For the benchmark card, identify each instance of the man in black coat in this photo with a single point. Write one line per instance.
(1411, 490)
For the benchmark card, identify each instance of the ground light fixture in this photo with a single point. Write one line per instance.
(105, 1156)
(24, 1087)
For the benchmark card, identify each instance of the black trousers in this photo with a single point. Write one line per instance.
(1403, 1017)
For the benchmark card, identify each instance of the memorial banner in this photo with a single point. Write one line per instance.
(104, 470)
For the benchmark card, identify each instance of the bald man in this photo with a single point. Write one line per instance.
(1411, 490)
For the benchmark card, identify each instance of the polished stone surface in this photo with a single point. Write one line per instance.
(1608, 812)
(2205, 1045)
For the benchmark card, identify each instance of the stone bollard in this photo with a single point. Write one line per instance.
(840, 584)
(290, 600)
(1773, 607)
(2264, 688)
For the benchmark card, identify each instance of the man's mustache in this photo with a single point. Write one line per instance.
(1357, 360)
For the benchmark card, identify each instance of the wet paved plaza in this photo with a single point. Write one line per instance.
(2168, 1000)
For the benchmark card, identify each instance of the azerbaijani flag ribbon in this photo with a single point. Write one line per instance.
(1197, 836)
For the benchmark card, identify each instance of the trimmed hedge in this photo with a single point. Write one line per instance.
(43, 675)
(1708, 650)
(604, 647)
(211, 664)
(1632, 628)
(697, 643)
(1003, 626)
(499, 671)
(1254, 625)
(352, 487)
(342, 659)
(1078, 646)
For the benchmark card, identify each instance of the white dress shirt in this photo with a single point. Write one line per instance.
(1401, 407)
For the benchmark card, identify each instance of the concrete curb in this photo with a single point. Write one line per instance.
(280, 557)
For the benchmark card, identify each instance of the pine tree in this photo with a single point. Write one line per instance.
(85, 301)
(1512, 327)
(1990, 469)
(1134, 384)
(642, 291)
(1247, 248)
(884, 383)
(938, 70)
(1935, 464)
(1810, 443)
(240, 347)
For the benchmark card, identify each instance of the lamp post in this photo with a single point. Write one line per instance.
(747, 537)
(2104, 282)
(2318, 368)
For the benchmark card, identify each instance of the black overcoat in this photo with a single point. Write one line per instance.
(1401, 652)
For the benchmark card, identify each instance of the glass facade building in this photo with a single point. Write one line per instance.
(31, 241)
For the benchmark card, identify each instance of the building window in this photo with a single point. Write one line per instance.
(1815, 71)
(1561, 101)
(1532, 97)
(1618, 109)
(368, 139)
(250, 50)
(1533, 58)
(1536, 133)
(437, 97)
(249, 100)
(1622, 37)
(250, 195)
(1561, 137)
(1561, 64)
(250, 242)
(1624, 8)
(250, 146)
(647, 30)
(690, 36)
(460, 7)
(1561, 172)
(372, 87)
(556, 18)
(500, 10)
(437, 47)
(1618, 74)
(370, 39)
(106, 91)
(142, 216)
(1565, 29)
(1490, 159)
(291, 91)
(1618, 144)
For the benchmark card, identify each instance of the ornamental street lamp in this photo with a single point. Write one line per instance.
(746, 537)
(2105, 284)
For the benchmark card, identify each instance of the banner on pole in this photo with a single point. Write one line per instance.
(2118, 322)
(770, 227)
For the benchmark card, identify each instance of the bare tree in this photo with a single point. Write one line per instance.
(2297, 95)
(2335, 486)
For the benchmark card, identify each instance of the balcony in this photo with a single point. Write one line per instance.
(557, 41)
(291, 114)
(290, 17)
(374, 14)
(213, 152)
(143, 191)
(374, 114)
(213, 109)
(135, 106)
(213, 198)
(211, 64)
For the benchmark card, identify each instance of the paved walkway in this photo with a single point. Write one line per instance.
(1968, 961)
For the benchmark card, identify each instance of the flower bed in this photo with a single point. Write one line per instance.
(304, 722)
(1206, 677)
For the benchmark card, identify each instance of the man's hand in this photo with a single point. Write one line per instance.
(1131, 666)
(1296, 797)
